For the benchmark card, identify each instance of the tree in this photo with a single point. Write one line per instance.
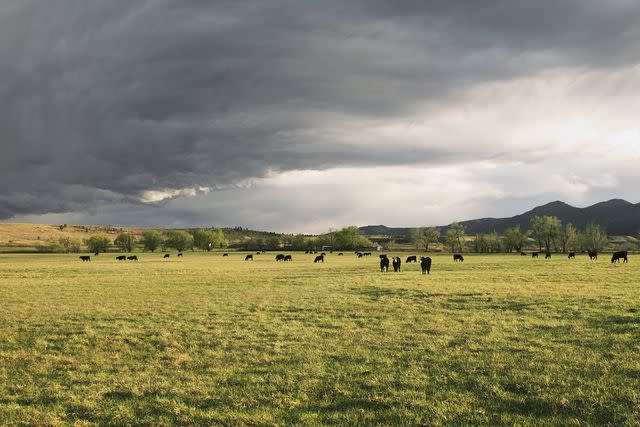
(514, 239)
(424, 236)
(151, 240)
(546, 231)
(125, 242)
(298, 243)
(69, 245)
(568, 238)
(179, 240)
(594, 238)
(350, 238)
(97, 244)
(455, 236)
(208, 239)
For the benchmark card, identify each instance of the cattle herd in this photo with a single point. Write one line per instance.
(385, 262)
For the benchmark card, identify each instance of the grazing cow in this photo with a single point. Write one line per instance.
(225, 254)
(315, 252)
(121, 258)
(572, 255)
(248, 257)
(306, 252)
(620, 255)
(383, 256)
(319, 258)
(593, 255)
(384, 265)
(523, 254)
(132, 258)
(534, 254)
(180, 254)
(96, 254)
(412, 258)
(263, 251)
(547, 255)
(288, 258)
(279, 257)
(425, 264)
(367, 254)
(340, 254)
(458, 257)
(85, 258)
(397, 263)
(166, 256)
(360, 255)
(258, 253)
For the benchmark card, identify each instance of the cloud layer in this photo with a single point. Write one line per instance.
(199, 112)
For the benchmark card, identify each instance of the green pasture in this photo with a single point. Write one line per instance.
(212, 340)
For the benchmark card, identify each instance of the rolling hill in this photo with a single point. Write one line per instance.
(618, 217)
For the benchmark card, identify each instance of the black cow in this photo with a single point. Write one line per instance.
(534, 254)
(412, 258)
(384, 264)
(225, 254)
(248, 257)
(279, 257)
(593, 255)
(288, 258)
(132, 258)
(306, 252)
(359, 255)
(367, 254)
(397, 263)
(96, 254)
(263, 251)
(180, 254)
(547, 255)
(523, 254)
(258, 253)
(620, 255)
(458, 257)
(319, 258)
(340, 254)
(425, 264)
(572, 255)
(383, 256)
(121, 258)
(85, 258)
(166, 256)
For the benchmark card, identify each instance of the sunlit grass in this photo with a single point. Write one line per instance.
(213, 340)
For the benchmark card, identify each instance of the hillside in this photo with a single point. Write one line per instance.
(618, 217)
(40, 237)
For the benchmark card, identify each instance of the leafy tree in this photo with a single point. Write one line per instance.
(125, 242)
(424, 236)
(594, 238)
(350, 238)
(298, 242)
(546, 231)
(179, 240)
(568, 238)
(97, 244)
(455, 236)
(273, 243)
(208, 239)
(69, 245)
(514, 239)
(151, 240)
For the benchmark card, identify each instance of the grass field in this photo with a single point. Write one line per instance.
(212, 340)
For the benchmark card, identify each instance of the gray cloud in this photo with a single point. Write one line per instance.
(103, 101)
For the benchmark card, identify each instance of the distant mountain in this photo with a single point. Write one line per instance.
(618, 217)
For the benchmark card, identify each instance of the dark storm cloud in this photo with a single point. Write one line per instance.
(102, 101)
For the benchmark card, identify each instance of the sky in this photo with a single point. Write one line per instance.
(301, 116)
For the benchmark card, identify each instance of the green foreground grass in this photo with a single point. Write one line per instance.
(212, 340)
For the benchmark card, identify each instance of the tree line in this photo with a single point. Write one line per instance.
(546, 233)
(152, 240)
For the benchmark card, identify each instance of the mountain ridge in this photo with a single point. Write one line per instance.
(618, 216)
